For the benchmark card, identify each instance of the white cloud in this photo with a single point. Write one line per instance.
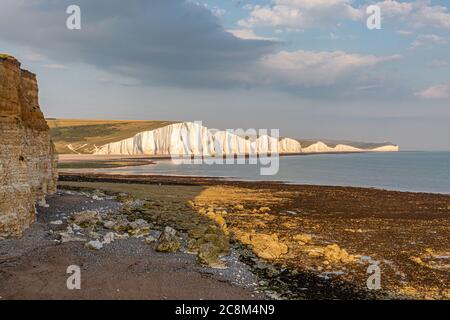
(427, 40)
(218, 12)
(395, 8)
(247, 34)
(441, 91)
(436, 64)
(55, 66)
(415, 14)
(404, 32)
(34, 56)
(174, 43)
(310, 68)
(370, 87)
(301, 14)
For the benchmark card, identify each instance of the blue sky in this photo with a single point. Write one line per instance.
(309, 67)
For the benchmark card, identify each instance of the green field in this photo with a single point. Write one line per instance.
(82, 136)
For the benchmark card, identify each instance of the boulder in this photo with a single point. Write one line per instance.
(208, 254)
(109, 224)
(302, 238)
(150, 239)
(69, 237)
(334, 254)
(86, 218)
(267, 246)
(121, 225)
(139, 228)
(108, 238)
(121, 236)
(94, 245)
(168, 241)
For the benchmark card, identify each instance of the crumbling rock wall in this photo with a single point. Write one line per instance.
(27, 155)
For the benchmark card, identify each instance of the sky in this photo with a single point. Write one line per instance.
(311, 68)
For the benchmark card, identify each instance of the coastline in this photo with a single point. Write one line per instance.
(331, 234)
(283, 241)
(375, 170)
(98, 157)
(158, 178)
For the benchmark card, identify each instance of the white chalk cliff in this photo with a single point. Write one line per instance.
(387, 148)
(319, 147)
(189, 138)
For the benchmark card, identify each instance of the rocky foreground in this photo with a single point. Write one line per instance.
(121, 256)
(250, 240)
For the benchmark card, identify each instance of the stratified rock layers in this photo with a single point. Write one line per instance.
(27, 155)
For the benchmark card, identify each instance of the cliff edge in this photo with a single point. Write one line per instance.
(27, 155)
(189, 138)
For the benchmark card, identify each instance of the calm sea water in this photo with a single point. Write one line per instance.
(404, 171)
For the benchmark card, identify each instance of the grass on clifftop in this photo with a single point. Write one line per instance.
(6, 56)
(82, 136)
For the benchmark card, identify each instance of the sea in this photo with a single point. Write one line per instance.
(416, 171)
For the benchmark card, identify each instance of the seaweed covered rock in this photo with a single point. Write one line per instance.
(86, 218)
(209, 255)
(266, 246)
(335, 254)
(168, 241)
(139, 228)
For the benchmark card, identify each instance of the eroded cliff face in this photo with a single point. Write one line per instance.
(189, 138)
(27, 155)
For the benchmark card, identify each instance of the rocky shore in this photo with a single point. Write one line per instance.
(120, 256)
(228, 239)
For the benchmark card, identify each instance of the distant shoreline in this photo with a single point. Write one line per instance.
(174, 179)
(142, 166)
(67, 157)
